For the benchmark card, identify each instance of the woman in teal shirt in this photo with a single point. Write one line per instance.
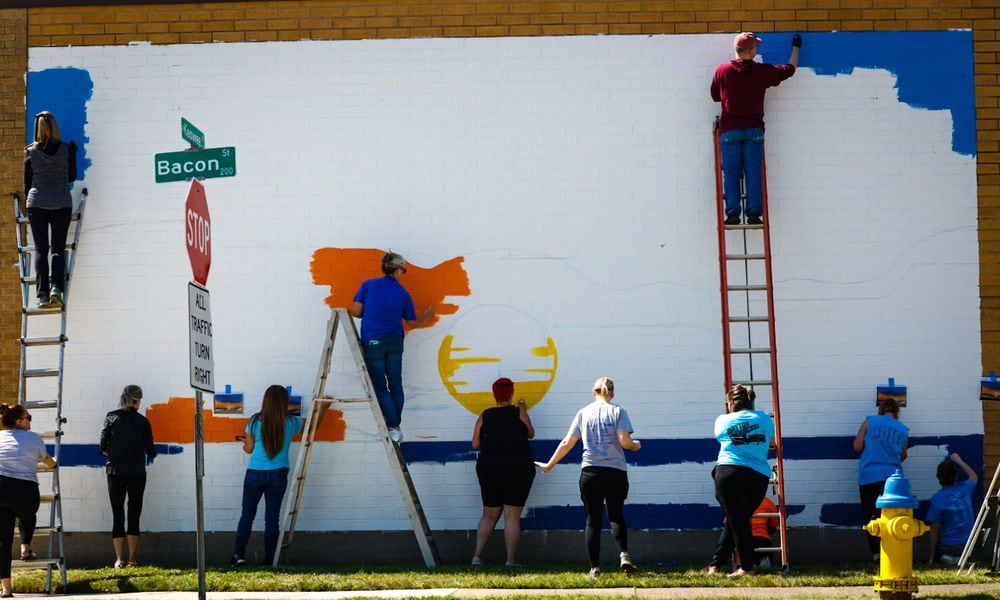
(269, 435)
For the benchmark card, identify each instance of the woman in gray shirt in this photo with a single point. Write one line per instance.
(49, 168)
(606, 432)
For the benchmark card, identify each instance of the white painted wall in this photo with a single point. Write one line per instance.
(575, 176)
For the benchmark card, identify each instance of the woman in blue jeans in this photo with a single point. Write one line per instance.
(269, 434)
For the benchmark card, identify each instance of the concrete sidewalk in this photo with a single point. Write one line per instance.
(991, 590)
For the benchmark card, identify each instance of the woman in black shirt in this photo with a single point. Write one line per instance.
(505, 468)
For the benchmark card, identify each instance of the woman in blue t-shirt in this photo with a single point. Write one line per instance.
(881, 440)
(741, 475)
(269, 434)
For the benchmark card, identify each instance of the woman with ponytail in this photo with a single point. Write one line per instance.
(741, 475)
(20, 452)
(606, 431)
(127, 442)
(268, 436)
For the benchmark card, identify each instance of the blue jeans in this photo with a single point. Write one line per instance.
(384, 359)
(743, 157)
(271, 484)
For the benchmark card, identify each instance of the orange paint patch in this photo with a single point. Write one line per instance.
(345, 269)
(173, 422)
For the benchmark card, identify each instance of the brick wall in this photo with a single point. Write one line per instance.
(13, 66)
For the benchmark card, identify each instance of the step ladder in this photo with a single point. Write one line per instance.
(340, 320)
(43, 341)
(749, 347)
(985, 528)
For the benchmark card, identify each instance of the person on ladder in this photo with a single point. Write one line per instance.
(383, 304)
(740, 85)
(49, 169)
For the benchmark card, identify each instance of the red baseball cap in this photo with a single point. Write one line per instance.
(746, 41)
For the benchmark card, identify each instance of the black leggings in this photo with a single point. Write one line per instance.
(120, 486)
(41, 219)
(739, 490)
(869, 493)
(600, 486)
(18, 500)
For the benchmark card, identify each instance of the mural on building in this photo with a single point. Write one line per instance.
(562, 188)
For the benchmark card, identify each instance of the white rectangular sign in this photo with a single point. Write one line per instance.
(200, 325)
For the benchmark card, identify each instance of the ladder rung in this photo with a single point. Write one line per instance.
(43, 469)
(766, 515)
(742, 226)
(744, 257)
(754, 319)
(49, 435)
(44, 341)
(48, 497)
(46, 530)
(51, 310)
(747, 288)
(768, 549)
(38, 563)
(753, 382)
(27, 249)
(41, 372)
(34, 280)
(355, 399)
(40, 404)
(749, 350)
(23, 219)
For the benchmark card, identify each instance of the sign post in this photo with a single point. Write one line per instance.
(198, 238)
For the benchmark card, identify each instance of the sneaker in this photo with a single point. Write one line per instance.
(395, 434)
(476, 561)
(43, 302)
(238, 561)
(56, 297)
(733, 219)
(754, 220)
(625, 564)
(594, 573)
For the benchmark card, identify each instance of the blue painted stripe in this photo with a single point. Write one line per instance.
(89, 455)
(64, 92)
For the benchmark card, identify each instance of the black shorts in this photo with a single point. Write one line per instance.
(505, 484)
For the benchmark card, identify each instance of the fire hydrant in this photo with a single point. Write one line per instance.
(896, 529)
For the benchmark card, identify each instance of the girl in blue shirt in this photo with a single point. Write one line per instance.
(741, 475)
(268, 436)
(881, 440)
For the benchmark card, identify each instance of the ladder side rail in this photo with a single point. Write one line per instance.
(977, 527)
(296, 484)
(723, 267)
(75, 244)
(24, 271)
(397, 462)
(772, 339)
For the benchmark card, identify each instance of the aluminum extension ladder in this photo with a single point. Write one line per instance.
(748, 320)
(43, 340)
(341, 320)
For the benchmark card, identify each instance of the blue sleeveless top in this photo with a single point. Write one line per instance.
(884, 442)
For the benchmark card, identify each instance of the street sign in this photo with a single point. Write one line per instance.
(198, 232)
(201, 164)
(192, 134)
(200, 326)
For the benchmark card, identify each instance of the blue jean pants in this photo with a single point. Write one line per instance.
(743, 158)
(384, 359)
(271, 484)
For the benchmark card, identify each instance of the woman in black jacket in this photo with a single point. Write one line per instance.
(127, 440)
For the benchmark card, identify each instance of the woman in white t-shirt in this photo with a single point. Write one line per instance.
(20, 452)
(606, 432)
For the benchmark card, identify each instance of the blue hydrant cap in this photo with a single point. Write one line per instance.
(897, 493)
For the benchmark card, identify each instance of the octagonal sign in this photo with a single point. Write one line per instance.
(198, 232)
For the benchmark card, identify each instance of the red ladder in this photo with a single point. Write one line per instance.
(748, 289)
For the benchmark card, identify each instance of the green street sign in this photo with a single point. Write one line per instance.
(192, 134)
(203, 164)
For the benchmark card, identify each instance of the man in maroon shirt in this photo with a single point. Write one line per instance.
(740, 85)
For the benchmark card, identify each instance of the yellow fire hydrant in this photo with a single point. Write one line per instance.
(896, 529)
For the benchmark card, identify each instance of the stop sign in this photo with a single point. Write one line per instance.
(198, 232)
